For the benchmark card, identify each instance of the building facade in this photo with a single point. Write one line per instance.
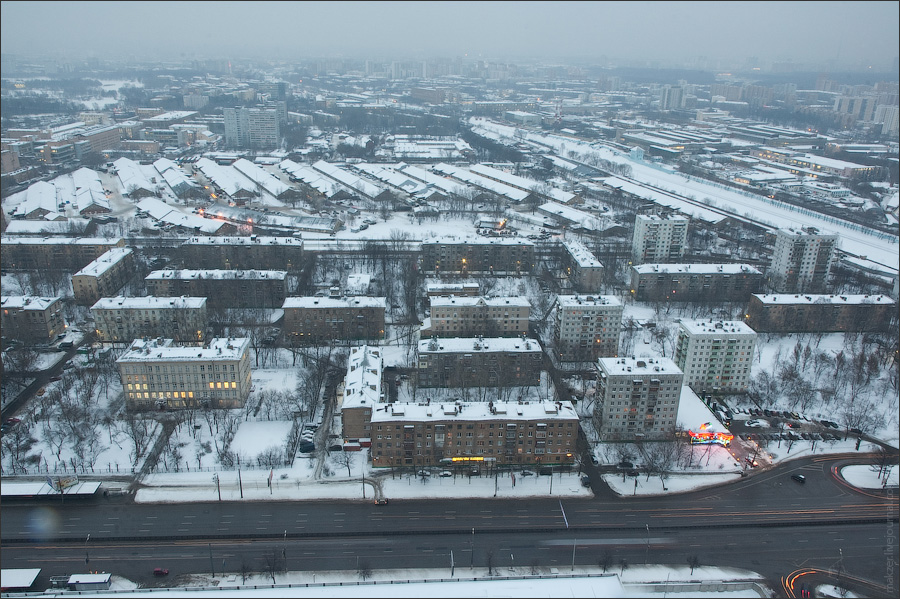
(46, 253)
(795, 313)
(124, 319)
(637, 398)
(320, 319)
(715, 356)
(801, 260)
(694, 282)
(105, 276)
(659, 238)
(479, 362)
(222, 288)
(487, 256)
(587, 327)
(230, 253)
(31, 319)
(474, 316)
(157, 375)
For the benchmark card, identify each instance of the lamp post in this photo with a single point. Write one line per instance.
(212, 567)
(647, 555)
(473, 547)
(87, 558)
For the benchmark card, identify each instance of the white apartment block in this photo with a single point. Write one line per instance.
(124, 319)
(587, 327)
(801, 260)
(637, 398)
(473, 316)
(104, 276)
(157, 375)
(715, 356)
(659, 238)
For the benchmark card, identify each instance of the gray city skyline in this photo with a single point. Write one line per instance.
(839, 35)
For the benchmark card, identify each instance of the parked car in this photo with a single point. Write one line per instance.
(445, 473)
(382, 501)
(585, 481)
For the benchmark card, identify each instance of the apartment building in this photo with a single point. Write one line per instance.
(637, 398)
(587, 327)
(31, 319)
(124, 319)
(801, 260)
(452, 434)
(255, 127)
(715, 356)
(695, 282)
(479, 362)
(499, 256)
(53, 253)
(222, 288)
(806, 313)
(105, 276)
(242, 253)
(583, 269)
(320, 319)
(659, 238)
(474, 316)
(158, 375)
(474, 435)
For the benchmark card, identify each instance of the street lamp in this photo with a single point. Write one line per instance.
(87, 558)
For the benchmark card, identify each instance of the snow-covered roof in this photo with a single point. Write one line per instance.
(217, 274)
(103, 263)
(159, 210)
(482, 411)
(30, 302)
(522, 183)
(133, 176)
(440, 301)
(639, 366)
(478, 345)
(88, 190)
(573, 301)
(253, 240)
(581, 254)
(807, 299)
(148, 303)
(716, 327)
(358, 301)
(348, 179)
(39, 196)
(362, 385)
(9, 240)
(696, 269)
(219, 349)
(324, 185)
(226, 178)
(512, 193)
(392, 178)
(443, 183)
(173, 175)
(569, 214)
(261, 177)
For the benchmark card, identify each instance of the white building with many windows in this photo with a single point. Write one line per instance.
(801, 260)
(637, 398)
(715, 356)
(124, 319)
(587, 327)
(157, 375)
(659, 238)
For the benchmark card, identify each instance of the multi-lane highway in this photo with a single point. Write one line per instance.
(767, 523)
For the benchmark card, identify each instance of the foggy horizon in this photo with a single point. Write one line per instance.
(657, 34)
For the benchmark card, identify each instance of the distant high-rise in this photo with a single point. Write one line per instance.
(672, 98)
(257, 127)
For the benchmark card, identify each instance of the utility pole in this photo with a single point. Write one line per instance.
(212, 567)
(218, 488)
(647, 555)
(240, 484)
(574, 545)
(473, 547)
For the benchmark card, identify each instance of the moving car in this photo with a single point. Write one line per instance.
(798, 478)
(160, 571)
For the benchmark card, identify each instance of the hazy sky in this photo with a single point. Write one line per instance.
(848, 33)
